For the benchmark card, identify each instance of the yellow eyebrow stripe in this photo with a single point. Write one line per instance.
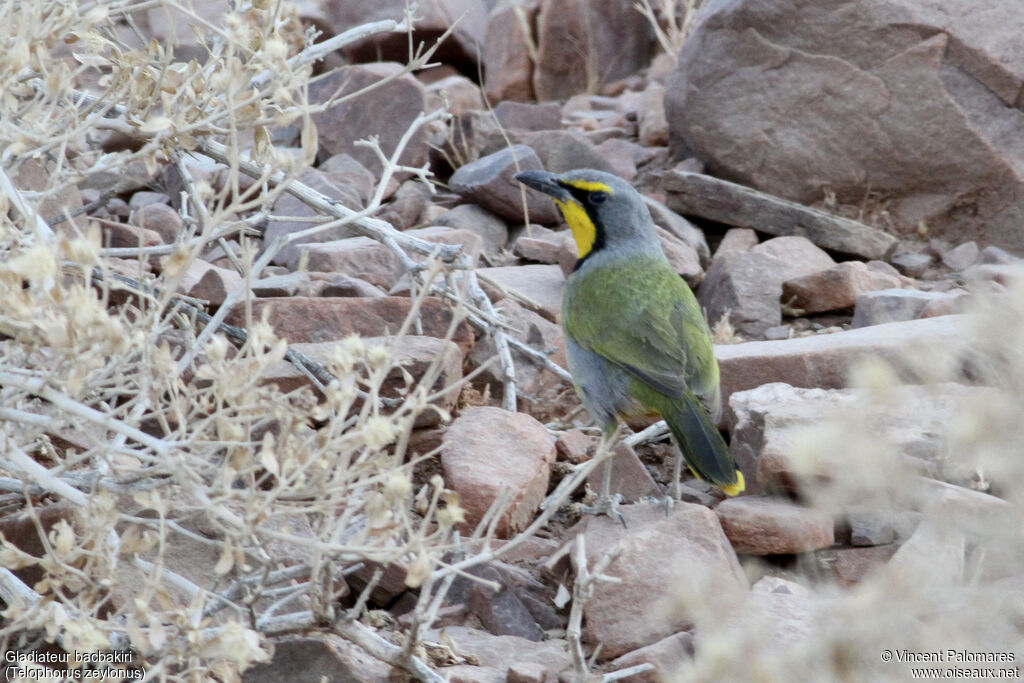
(588, 186)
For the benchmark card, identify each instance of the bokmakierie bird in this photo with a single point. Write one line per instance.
(636, 340)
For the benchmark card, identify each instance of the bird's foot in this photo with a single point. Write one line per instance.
(605, 505)
(666, 502)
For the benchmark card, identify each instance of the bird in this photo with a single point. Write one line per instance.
(637, 343)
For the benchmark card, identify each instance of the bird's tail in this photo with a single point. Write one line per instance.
(703, 447)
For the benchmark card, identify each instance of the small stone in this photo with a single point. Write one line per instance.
(508, 67)
(526, 672)
(538, 287)
(487, 449)
(667, 656)
(736, 240)
(488, 182)
(127, 236)
(771, 526)
(962, 257)
(682, 258)
(850, 566)
(748, 285)
(912, 265)
(319, 319)
(868, 529)
(651, 121)
(994, 255)
(385, 112)
(361, 257)
(524, 116)
(834, 288)
(492, 230)
(539, 244)
(574, 446)
(504, 652)
(291, 206)
(778, 332)
(160, 218)
(459, 92)
(406, 206)
(344, 171)
(144, 198)
(215, 285)
(339, 284)
(412, 356)
(630, 478)
(500, 611)
(561, 151)
(892, 305)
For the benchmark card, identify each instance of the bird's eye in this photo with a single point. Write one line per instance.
(598, 197)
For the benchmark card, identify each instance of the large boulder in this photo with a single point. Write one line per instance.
(908, 99)
(584, 44)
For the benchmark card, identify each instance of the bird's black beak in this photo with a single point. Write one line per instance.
(545, 182)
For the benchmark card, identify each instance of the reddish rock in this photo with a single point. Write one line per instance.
(897, 99)
(488, 182)
(583, 45)
(748, 284)
(533, 329)
(660, 556)
(538, 287)
(488, 449)
(835, 288)
(681, 257)
(215, 284)
(500, 610)
(466, 18)
(894, 305)
(126, 236)
(346, 172)
(501, 653)
(289, 205)
(539, 244)
(385, 112)
(406, 205)
(508, 66)
(773, 526)
(360, 257)
(736, 240)
(412, 355)
(630, 477)
(850, 566)
(460, 94)
(320, 658)
(651, 122)
(521, 116)
(574, 446)
(561, 151)
(311, 319)
(825, 360)
(492, 230)
(666, 656)
(160, 218)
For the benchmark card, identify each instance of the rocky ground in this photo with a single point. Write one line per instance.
(844, 295)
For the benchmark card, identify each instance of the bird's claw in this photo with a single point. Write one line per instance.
(606, 505)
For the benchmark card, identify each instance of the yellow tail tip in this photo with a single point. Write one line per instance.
(734, 489)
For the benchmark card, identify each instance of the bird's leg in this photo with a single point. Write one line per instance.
(677, 473)
(606, 504)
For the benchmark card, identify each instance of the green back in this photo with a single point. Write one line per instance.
(643, 317)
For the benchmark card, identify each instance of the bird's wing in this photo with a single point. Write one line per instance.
(646, 320)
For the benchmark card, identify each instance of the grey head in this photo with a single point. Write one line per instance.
(608, 218)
